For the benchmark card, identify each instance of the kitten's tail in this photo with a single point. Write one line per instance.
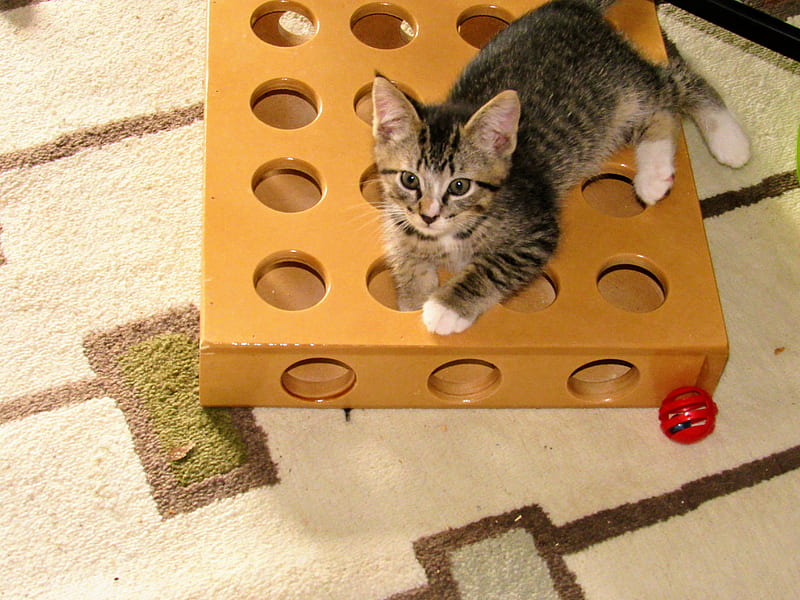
(720, 128)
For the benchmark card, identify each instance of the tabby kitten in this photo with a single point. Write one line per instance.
(474, 184)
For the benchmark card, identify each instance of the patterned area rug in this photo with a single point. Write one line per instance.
(114, 483)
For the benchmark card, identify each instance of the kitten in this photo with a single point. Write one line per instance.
(474, 184)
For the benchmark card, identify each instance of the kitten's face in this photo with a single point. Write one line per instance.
(440, 170)
(436, 195)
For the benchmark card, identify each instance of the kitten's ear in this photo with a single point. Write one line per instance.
(394, 117)
(493, 128)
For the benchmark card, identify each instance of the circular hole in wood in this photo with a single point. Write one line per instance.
(382, 25)
(363, 104)
(632, 287)
(283, 23)
(287, 185)
(371, 187)
(318, 379)
(464, 381)
(540, 294)
(285, 104)
(381, 285)
(290, 280)
(479, 24)
(603, 380)
(613, 195)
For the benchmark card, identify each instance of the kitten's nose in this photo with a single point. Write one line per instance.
(428, 220)
(428, 209)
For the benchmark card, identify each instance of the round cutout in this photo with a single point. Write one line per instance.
(631, 287)
(363, 104)
(285, 104)
(381, 285)
(613, 195)
(290, 280)
(371, 186)
(318, 379)
(382, 25)
(283, 23)
(603, 380)
(464, 381)
(287, 185)
(478, 25)
(540, 294)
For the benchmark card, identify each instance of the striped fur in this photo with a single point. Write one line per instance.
(538, 110)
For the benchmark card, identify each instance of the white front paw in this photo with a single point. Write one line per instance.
(652, 186)
(442, 320)
(655, 171)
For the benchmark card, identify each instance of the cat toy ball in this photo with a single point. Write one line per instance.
(687, 415)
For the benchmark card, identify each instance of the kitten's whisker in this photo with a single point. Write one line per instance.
(361, 222)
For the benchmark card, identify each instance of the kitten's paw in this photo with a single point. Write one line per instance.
(653, 186)
(727, 141)
(442, 320)
(655, 172)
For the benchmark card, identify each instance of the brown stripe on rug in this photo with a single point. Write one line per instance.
(439, 554)
(71, 143)
(191, 455)
(2, 255)
(782, 9)
(771, 187)
(593, 529)
(52, 399)
(12, 4)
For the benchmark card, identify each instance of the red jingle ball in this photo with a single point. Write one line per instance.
(687, 415)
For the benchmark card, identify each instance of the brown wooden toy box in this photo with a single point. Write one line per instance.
(297, 305)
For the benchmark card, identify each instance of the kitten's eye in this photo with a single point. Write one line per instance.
(459, 187)
(409, 180)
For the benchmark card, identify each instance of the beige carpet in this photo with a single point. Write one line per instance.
(114, 484)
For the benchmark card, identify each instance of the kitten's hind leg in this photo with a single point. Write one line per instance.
(655, 158)
(724, 137)
(720, 129)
